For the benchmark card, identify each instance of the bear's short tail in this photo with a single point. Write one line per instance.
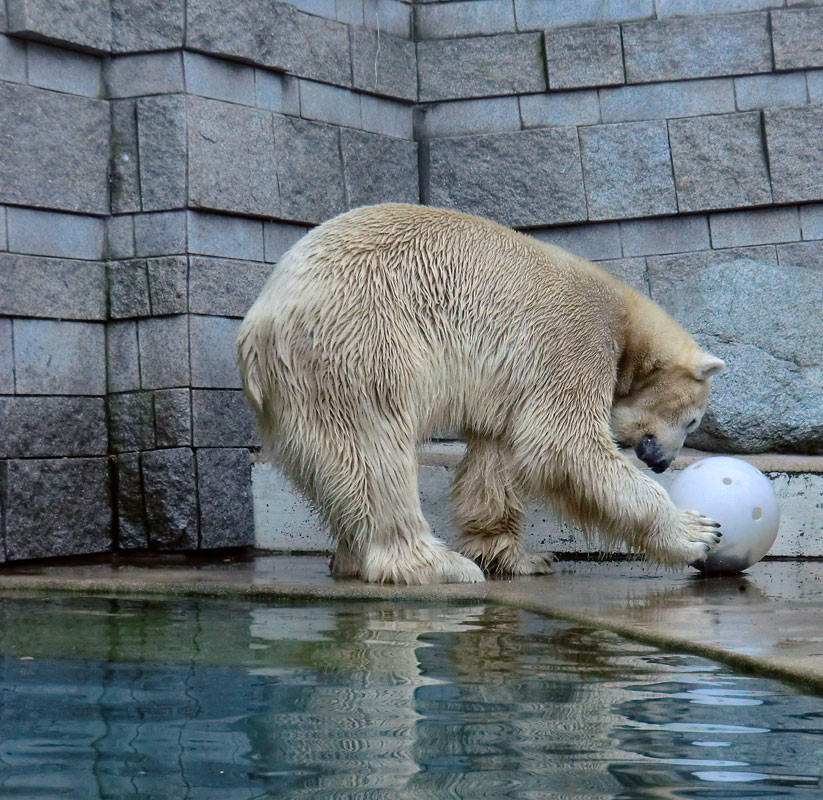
(249, 362)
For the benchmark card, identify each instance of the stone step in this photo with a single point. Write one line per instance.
(287, 522)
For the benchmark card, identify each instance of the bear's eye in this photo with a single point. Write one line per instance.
(693, 424)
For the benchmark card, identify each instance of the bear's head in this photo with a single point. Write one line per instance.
(661, 407)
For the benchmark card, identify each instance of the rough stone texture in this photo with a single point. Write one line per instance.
(172, 417)
(47, 287)
(59, 357)
(146, 25)
(124, 177)
(309, 170)
(811, 221)
(798, 38)
(119, 237)
(578, 57)
(770, 91)
(161, 126)
(719, 162)
(213, 357)
(560, 13)
(760, 226)
(122, 357)
(387, 66)
(627, 170)
(378, 169)
(808, 255)
(795, 153)
(226, 237)
(168, 285)
(667, 100)
(230, 157)
(54, 150)
(131, 519)
(225, 286)
(219, 79)
(646, 237)
(223, 418)
(6, 358)
(51, 233)
(160, 233)
(128, 289)
(64, 71)
(561, 108)
(594, 242)
(57, 507)
(489, 115)
(164, 352)
(170, 494)
(131, 421)
(520, 179)
(41, 427)
(697, 47)
(479, 67)
(445, 20)
(143, 74)
(84, 23)
(279, 237)
(770, 397)
(273, 35)
(224, 485)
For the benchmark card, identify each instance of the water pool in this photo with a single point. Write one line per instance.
(107, 698)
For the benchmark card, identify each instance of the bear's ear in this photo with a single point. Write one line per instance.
(709, 366)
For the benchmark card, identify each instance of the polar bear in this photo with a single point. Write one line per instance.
(388, 322)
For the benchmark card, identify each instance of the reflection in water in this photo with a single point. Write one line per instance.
(148, 699)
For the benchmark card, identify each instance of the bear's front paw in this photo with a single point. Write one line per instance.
(695, 536)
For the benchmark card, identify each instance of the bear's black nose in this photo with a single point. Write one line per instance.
(648, 451)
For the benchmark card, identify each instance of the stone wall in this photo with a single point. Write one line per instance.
(156, 159)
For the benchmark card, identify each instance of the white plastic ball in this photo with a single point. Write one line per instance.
(738, 496)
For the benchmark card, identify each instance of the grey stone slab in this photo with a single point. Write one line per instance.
(12, 59)
(50, 233)
(480, 67)
(811, 221)
(814, 82)
(160, 233)
(581, 57)
(64, 70)
(388, 117)
(131, 518)
(795, 153)
(448, 20)
(44, 427)
(387, 15)
(223, 418)
(770, 91)
(524, 179)
(170, 493)
(161, 128)
(122, 357)
(488, 115)
(329, 103)
(6, 358)
(689, 8)
(225, 237)
(225, 287)
(697, 47)
(309, 169)
(144, 74)
(351, 13)
(560, 13)
(682, 264)
(667, 100)
(595, 242)
(124, 172)
(131, 421)
(627, 170)
(560, 108)
(231, 163)
(55, 150)
(808, 255)
(219, 79)
(273, 35)
(280, 236)
(164, 352)
(84, 23)
(145, 25)
(128, 289)
(632, 271)
(172, 417)
(224, 489)
(385, 65)
(57, 507)
(646, 237)
(168, 284)
(719, 161)
(119, 237)
(213, 356)
(378, 169)
(44, 287)
(277, 92)
(798, 38)
(3, 238)
(323, 8)
(760, 226)
(53, 357)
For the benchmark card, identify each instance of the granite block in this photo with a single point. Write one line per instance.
(128, 289)
(224, 489)
(523, 179)
(277, 92)
(146, 25)
(226, 237)
(688, 8)
(12, 59)
(378, 169)
(144, 74)
(170, 493)
(814, 83)
(164, 352)
(760, 226)
(386, 16)
(798, 38)
(131, 421)
(6, 358)
(213, 356)
(160, 233)
(719, 161)
(807, 255)
(50, 233)
(279, 237)
(667, 100)
(225, 287)
(85, 24)
(219, 79)
(627, 170)
(223, 418)
(329, 103)
(488, 115)
(795, 153)
(598, 241)
(386, 65)
(646, 237)
(64, 70)
(770, 91)
(581, 57)
(161, 127)
(124, 171)
(131, 518)
(548, 14)
(172, 417)
(450, 20)
(388, 117)
(168, 285)
(119, 237)
(811, 221)
(122, 357)
(632, 271)
(560, 108)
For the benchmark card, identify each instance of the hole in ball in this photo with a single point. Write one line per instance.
(727, 481)
(757, 512)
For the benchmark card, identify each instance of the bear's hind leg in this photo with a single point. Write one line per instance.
(489, 508)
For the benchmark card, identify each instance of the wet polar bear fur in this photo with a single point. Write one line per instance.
(389, 322)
